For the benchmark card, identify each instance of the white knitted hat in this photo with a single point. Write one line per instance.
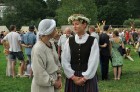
(46, 26)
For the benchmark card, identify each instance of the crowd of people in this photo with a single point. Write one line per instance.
(76, 52)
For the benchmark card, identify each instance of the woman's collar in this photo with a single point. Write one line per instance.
(82, 36)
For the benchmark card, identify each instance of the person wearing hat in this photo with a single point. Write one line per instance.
(104, 44)
(28, 40)
(45, 65)
(80, 58)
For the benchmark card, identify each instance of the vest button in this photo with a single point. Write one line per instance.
(79, 49)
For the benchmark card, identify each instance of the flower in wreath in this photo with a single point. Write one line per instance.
(79, 17)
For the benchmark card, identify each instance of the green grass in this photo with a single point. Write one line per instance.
(130, 81)
(8, 84)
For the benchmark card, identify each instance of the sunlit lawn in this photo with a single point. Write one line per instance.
(130, 80)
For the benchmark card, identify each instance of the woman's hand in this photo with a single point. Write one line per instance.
(58, 84)
(78, 80)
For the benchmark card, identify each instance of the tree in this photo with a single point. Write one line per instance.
(52, 6)
(0, 21)
(134, 23)
(134, 8)
(114, 12)
(70, 7)
(28, 11)
(100, 3)
(1, 1)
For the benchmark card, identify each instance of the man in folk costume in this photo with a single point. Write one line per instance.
(80, 58)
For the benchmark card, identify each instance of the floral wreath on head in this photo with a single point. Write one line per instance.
(78, 17)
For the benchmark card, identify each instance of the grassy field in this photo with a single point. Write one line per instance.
(130, 81)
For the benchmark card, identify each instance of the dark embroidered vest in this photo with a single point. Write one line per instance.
(80, 53)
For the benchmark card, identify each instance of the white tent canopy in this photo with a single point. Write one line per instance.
(26, 29)
(3, 28)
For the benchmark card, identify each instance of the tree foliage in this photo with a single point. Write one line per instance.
(1, 1)
(128, 22)
(101, 3)
(69, 7)
(134, 8)
(114, 12)
(26, 12)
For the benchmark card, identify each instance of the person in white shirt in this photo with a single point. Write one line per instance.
(14, 40)
(93, 32)
(62, 40)
(80, 58)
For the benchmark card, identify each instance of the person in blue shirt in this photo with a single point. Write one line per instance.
(28, 40)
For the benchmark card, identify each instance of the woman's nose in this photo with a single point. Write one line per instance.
(74, 26)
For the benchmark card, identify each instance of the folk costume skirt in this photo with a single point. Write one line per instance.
(90, 85)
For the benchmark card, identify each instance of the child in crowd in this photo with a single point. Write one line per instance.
(27, 68)
(128, 55)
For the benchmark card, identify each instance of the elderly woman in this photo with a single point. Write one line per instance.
(80, 58)
(45, 62)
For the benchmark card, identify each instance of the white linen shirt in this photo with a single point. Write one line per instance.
(13, 38)
(93, 34)
(92, 61)
(62, 41)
